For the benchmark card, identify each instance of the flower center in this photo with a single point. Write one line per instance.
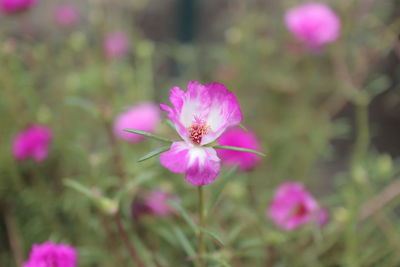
(300, 210)
(197, 130)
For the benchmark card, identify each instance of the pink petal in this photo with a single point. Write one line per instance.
(201, 165)
(176, 158)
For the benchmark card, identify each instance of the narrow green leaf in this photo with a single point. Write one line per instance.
(132, 185)
(142, 251)
(243, 127)
(184, 242)
(170, 124)
(184, 214)
(159, 138)
(217, 260)
(219, 187)
(154, 153)
(214, 236)
(240, 149)
(79, 187)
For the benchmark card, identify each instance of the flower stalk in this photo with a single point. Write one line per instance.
(201, 210)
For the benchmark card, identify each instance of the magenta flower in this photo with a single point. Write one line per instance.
(322, 216)
(155, 203)
(15, 6)
(66, 15)
(238, 137)
(145, 117)
(33, 142)
(293, 206)
(115, 45)
(200, 115)
(313, 23)
(49, 254)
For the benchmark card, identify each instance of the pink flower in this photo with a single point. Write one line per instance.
(313, 23)
(49, 254)
(322, 216)
(115, 45)
(200, 115)
(240, 138)
(155, 203)
(33, 142)
(15, 6)
(66, 15)
(293, 206)
(145, 117)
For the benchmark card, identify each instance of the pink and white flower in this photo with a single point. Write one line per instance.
(293, 206)
(238, 137)
(200, 115)
(51, 254)
(313, 23)
(33, 143)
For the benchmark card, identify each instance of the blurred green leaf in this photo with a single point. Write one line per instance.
(159, 138)
(184, 241)
(214, 236)
(184, 214)
(154, 153)
(240, 149)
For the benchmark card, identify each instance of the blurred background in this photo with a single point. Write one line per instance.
(328, 117)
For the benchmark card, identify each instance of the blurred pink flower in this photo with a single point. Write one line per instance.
(115, 45)
(66, 15)
(155, 203)
(145, 117)
(293, 206)
(15, 6)
(313, 23)
(33, 142)
(200, 115)
(50, 254)
(240, 138)
(322, 216)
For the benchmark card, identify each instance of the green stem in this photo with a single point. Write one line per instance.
(201, 245)
(362, 128)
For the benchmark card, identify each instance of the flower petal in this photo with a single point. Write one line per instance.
(176, 158)
(204, 166)
(201, 165)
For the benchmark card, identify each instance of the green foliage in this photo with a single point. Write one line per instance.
(289, 97)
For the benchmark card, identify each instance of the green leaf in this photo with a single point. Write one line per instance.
(219, 187)
(170, 124)
(159, 138)
(184, 214)
(79, 187)
(154, 153)
(240, 149)
(131, 185)
(243, 128)
(217, 260)
(214, 236)
(184, 242)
